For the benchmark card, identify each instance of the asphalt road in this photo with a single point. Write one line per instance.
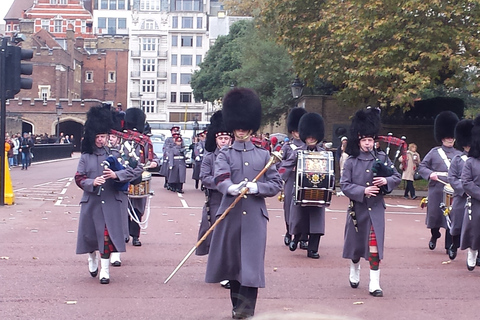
(42, 278)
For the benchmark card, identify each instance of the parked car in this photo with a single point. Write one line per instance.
(158, 143)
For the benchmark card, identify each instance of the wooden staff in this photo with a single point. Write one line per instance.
(275, 157)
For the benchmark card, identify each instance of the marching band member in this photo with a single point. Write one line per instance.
(217, 138)
(470, 236)
(103, 209)
(365, 223)
(177, 168)
(169, 142)
(434, 168)
(307, 221)
(237, 248)
(288, 173)
(198, 152)
(463, 137)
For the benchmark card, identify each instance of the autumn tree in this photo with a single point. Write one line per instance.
(248, 8)
(388, 52)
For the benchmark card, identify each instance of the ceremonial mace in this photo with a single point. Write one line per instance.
(275, 157)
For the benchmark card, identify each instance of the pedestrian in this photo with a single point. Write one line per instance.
(365, 223)
(9, 149)
(26, 144)
(287, 170)
(307, 221)
(343, 155)
(463, 139)
(470, 234)
(103, 211)
(237, 249)
(434, 168)
(409, 168)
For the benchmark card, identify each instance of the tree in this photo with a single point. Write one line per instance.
(387, 52)
(248, 8)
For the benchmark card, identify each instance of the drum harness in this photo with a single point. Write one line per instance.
(133, 215)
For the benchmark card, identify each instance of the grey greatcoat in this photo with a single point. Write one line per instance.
(176, 163)
(237, 249)
(308, 219)
(198, 151)
(214, 198)
(470, 237)
(433, 162)
(288, 176)
(166, 146)
(459, 195)
(109, 209)
(357, 175)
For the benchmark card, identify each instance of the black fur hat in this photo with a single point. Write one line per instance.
(294, 117)
(242, 110)
(475, 145)
(135, 119)
(216, 127)
(365, 123)
(463, 132)
(444, 125)
(99, 120)
(311, 125)
(118, 119)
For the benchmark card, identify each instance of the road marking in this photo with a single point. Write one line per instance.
(184, 203)
(400, 206)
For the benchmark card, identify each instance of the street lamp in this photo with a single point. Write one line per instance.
(59, 110)
(297, 88)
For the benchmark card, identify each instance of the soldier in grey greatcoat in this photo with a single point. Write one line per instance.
(434, 168)
(470, 236)
(307, 221)
(103, 208)
(365, 186)
(463, 137)
(288, 173)
(217, 138)
(198, 154)
(169, 142)
(177, 168)
(237, 249)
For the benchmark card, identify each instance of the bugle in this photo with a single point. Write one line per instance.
(274, 158)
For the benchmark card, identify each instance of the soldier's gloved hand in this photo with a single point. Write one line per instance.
(197, 158)
(252, 187)
(235, 189)
(170, 168)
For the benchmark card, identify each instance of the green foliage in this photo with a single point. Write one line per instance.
(388, 52)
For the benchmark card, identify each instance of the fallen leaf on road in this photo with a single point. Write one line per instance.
(447, 262)
(4, 258)
(35, 258)
(358, 302)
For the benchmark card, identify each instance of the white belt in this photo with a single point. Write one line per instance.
(178, 157)
(442, 174)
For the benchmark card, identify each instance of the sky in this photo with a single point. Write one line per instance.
(4, 6)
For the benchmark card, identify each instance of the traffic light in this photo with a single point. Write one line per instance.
(14, 68)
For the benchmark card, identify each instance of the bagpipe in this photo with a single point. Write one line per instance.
(382, 168)
(129, 139)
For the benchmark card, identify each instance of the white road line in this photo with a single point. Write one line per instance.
(63, 191)
(184, 203)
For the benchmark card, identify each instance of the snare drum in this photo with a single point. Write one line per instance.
(142, 189)
(448, 196)
(314, 178)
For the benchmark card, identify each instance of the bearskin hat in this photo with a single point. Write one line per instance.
(216, 128)
(135, 119)
(242, 110)
(311, 125)
(99, 120)
(475, 142)
(463, 132)
(294, 117)
(444, 125)
(365, 123)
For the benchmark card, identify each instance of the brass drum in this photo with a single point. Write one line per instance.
(142, 189)
(314, 178)
(448, 196)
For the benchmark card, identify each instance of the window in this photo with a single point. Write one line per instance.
(199, 41)
(111, 76)
(187, 22)
(174, 59)
(44, 93)
(102, 23)
(174, 41)
(175, 22)
(104, 4)
(113, 5)
(173, 78)
(122, 23)
(83, 26)
(148, 65)
(72, 22)
(187, 41)
(149, 44)
(186, 60)
(149, 25)
(173, 97)
(45, 24)
(185, 78)
(58, 26)
(121, 5)
(186, 5)
(62, 1)
(185, 97)
(148, 85)
(199, 22)
(148, 106)
(198, 59)
(150, 5)
(88, 76)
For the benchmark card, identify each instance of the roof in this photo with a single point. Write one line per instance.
(17, 9)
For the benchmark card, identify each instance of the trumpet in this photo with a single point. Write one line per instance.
(274, 158)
